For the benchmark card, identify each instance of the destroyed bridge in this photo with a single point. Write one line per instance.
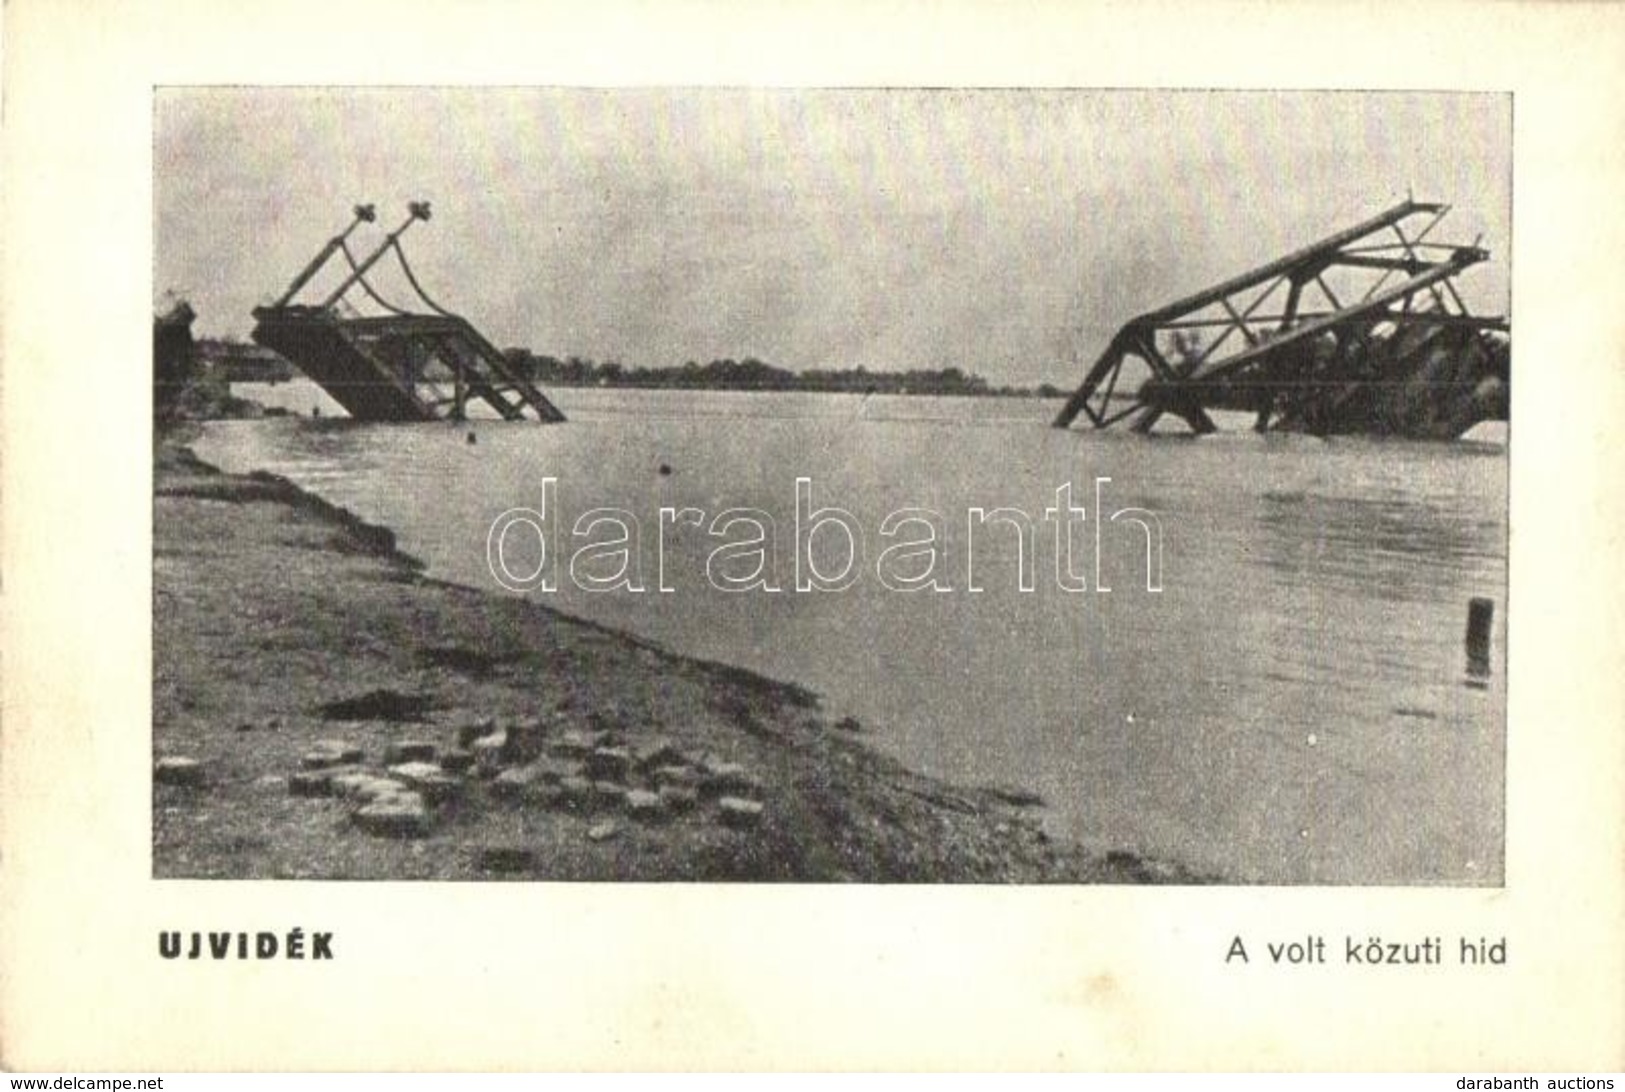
(401, 365)
(1390, 350)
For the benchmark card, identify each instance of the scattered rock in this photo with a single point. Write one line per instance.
(322, 760)
(849, 724)
(365, 787)
(271, 781)
(469, 731)
(609, 764)
(600, 832)
(347, 784)
(410, 771)
(685, 776)
(317, 782)
(457, 760)
(658, 752)
(575, 793)
(428, 779)
(727, 778)
(608, 794)
(310, 784)
(401, 815)
(187, 772)
(488, 753)
(347, 752)
(646, 806)
(408, 750)
(679, 797)
(505, 859)
(512, 783)
(739, 813)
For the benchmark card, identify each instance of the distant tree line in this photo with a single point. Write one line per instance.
(751, 374)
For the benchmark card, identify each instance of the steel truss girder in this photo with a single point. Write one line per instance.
(1275, 344)
(375, 366)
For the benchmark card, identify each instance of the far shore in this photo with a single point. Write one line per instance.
(538, 746)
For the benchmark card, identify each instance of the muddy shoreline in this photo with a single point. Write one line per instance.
(284, 625)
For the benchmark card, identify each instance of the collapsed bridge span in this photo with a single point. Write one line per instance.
(1392, 350)
(400, 365)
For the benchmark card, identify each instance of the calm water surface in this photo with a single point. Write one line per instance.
(1289, 708)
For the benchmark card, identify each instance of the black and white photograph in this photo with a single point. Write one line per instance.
(699, 538)
(831, 485)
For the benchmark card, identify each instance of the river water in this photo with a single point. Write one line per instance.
(1290, 706)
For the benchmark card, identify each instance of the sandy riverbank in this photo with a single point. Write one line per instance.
(273, 610)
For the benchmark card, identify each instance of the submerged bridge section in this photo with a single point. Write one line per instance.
(401, 365)
(1391, 350)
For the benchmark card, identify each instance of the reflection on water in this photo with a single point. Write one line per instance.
(1372, 543)
(1289, 708)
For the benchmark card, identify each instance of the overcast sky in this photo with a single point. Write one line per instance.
(1004, 232)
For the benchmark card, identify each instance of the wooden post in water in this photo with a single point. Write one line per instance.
(1480, 621)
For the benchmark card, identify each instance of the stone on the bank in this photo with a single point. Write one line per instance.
(488, 753)
(685, 776)
(575, 793)
(679, 797)
(408, 750)
(656, 753)
(505, 859)
(316, 782)
(599, 832)
(178, 771)
(347, 752)
(347, 784)
(608, 794)
(457, 760)
(727, 779)
(309, 784)
(469, 731)
(401, 815)
(428, 779)
(739, 813)
(365, 787)
(646, 806)
(609, 764)
(513, 782)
